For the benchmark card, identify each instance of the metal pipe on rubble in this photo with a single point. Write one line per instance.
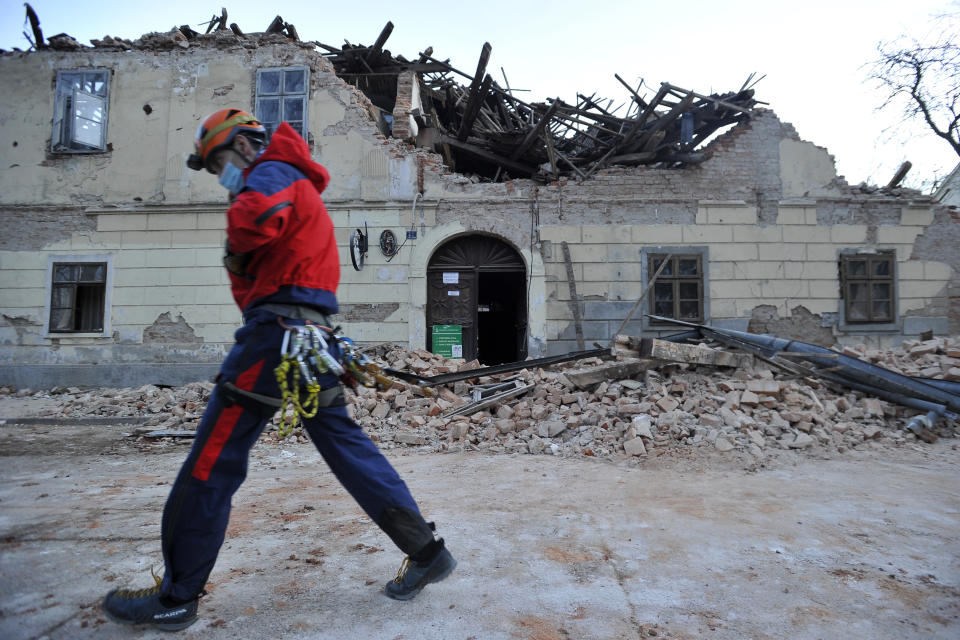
(847, 370)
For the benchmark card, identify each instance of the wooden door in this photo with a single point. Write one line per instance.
(452, 299)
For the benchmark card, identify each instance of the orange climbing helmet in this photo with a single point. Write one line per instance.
(217, 132)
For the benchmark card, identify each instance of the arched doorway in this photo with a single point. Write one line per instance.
(478, 283)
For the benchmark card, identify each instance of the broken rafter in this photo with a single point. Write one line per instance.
(664, 122)
(534, 132)
(381, 40)
(713, 99)
(641, 104)
(34, 21)
(487, 130)
(475, 92)
(489, 156)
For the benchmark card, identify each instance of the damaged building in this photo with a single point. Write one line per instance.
(469, 222)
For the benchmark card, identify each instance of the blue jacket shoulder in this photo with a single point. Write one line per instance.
(272, 177)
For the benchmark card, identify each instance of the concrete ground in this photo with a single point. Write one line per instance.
(862, 546)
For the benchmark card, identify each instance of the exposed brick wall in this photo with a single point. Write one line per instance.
(401, 110)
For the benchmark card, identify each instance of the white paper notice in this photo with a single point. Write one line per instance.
(453, 293)
(451, 277)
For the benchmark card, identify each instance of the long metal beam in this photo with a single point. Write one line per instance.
(496, 369)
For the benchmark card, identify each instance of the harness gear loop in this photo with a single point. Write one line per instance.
(305, 356)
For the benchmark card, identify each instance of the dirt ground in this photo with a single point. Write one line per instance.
(864, 545)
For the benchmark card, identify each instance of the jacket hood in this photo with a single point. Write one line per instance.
(287, 146)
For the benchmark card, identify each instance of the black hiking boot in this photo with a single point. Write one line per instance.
(415, 575)
(144, 606)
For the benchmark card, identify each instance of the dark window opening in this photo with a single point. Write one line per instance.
(77, 297)
(678, 291)
(867, 282)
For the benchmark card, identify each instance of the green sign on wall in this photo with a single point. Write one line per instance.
(448, 340)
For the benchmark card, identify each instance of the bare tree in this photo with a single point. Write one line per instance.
(923, 78)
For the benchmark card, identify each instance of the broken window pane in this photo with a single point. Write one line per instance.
(269, 83)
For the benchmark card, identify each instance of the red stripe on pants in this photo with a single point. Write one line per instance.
(223, 428)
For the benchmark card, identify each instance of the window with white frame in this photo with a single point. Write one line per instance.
(80, 111)
(282, 96)
(78, 297)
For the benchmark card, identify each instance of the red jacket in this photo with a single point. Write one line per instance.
(280, 221)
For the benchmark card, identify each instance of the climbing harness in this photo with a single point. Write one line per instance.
(305, 355)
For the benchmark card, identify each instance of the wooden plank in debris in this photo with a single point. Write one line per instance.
(592, 376)
(38, 41)
(474, 105)
(534, 132)
(713, 99)
(641, 103)
(656, 349)
(489, 156)
(634, 129)
(381, 40)
(645, 114)
(478, 80)
(569, 162)
(664, 121)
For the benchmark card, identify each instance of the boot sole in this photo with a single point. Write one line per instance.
(162, 626)
(431, 578)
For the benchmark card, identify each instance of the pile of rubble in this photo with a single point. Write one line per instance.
(666, 408)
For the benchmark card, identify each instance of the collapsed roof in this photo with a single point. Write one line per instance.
(481, 127)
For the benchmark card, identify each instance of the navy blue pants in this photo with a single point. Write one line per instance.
(198, 509)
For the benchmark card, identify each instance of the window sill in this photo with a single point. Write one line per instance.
(887, 327)
(65, 153)
(66, 337)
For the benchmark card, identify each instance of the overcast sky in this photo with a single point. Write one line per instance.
(813, 52)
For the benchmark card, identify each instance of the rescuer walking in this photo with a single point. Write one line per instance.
(284, 271)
